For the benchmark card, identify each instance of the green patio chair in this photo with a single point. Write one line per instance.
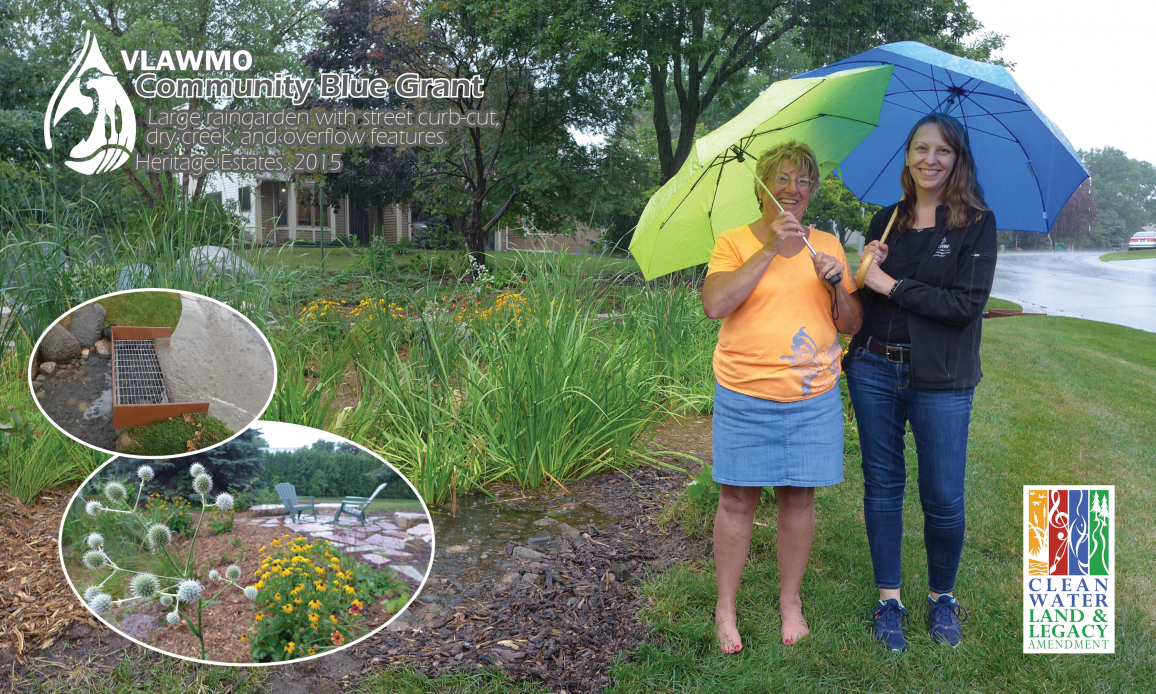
(356, 505)
(288, 494)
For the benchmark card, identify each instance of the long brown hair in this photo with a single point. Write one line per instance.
(963, 195)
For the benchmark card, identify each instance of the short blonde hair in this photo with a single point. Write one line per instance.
(798, 153)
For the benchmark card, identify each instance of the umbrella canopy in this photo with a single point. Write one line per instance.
(714, 192)
(1026, 166)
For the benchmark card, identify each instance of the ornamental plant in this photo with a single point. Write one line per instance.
(308, 600)
(179, 590)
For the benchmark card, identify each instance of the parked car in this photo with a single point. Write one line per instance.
(1142, 240)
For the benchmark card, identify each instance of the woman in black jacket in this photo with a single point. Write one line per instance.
(916, 359)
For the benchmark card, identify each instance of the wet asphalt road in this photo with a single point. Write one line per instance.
(1080, 285)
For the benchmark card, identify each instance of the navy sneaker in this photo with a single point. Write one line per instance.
(944, 617)
(889, 616)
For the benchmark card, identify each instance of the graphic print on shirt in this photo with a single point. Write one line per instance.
(943, 250)
(819, 364)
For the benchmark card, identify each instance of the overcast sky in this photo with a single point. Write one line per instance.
(281, 435)
(1088, 66)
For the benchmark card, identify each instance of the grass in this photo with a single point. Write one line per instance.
(1003, 304)
(1130, 255)
(1063, 401)
(378, 505)
(153, 673)
(148, 309)
(336, 258)
(177, 435)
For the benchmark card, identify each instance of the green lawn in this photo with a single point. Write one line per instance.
(148, 309)
(337, 258)
(1063, 402)
(1130, 255)
(1001, 303)
(378, 504)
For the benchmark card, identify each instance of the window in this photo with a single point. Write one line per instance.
(281, 204)
(312, 210)
(215, 196)
(244, 199)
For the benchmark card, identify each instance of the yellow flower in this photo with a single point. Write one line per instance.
(290, 647)
(333, 619)
(260, 616)
(311, 651)
(313, 619)
(297, 600)
(286, 608)
(349, 589)
(278, 596)
(314, 604)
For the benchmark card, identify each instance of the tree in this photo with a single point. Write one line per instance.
(696, 48)
(1079, 220)
(835, 208)
(273, 31)
(1125, 191)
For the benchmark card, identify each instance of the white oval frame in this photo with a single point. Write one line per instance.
(36, 348)
(80, 597)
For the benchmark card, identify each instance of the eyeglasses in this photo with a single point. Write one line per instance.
(800, 183)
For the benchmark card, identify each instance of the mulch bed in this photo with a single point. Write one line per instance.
(561, 629)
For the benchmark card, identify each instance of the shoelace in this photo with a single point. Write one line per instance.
(891, 616)
(952, 607)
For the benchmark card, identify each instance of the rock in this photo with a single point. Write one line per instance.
(545, 522)
(84, 353)
(59, 346)
(406, 519)
(620, 571)
(133, 276)
(507, 583)
(528, 554)
(123, 442)
(88, 323)
(539, 538)
(215, 261)
(424, 531)
(40, 378)
(532, 578)
(410, 571)
(103, 347)
(458, 549)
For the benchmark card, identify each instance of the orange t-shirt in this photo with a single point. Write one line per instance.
(780, 343)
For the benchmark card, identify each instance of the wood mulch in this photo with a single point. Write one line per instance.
(565, 646)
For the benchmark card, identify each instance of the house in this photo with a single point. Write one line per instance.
(281, 210)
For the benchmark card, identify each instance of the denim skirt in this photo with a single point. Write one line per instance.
(765, 443)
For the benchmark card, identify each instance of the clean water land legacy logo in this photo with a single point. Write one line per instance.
(1069, 569)
(113, 135)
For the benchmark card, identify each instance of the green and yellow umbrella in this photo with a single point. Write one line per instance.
(714, 189)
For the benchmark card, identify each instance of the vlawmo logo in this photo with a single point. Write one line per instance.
(114, 126)
(1069, 569)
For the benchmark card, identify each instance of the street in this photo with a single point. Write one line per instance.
(1080, 285)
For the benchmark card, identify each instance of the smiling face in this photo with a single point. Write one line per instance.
(793, 198)
(930, 160)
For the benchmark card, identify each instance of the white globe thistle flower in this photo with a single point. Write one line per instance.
(93, 507)
(251, 593)
(95, 559)
(213, 575)
(145, 585)
(159, 536)
(225, 502)
(91, 592)
(145, 473)
(173, 618)
(202, 484)
(115, 492)
(166, 600)
(95, 541)
(196, 470)
(101, 603)
(233, 572)
(188, 591)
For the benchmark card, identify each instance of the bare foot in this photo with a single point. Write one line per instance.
(727, 632)
(794, 626)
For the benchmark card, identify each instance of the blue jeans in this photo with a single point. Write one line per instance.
(883, 402)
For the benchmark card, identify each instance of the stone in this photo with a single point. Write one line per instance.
(457, 549)
(507, 582)
(411, 572)
(532, 578)
(528, 554)
(123, 442)
(87, 324)
(47, 368)
(40, 378)
(215, 261)
(537, 538)
(133, 276)
(59, 345)
(407, 519)
(545, 522)
(103, 347)
(374, 558)
(266, 510)
(84, 353)
(424, 531)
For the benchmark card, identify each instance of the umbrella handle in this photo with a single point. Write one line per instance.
(865, 263)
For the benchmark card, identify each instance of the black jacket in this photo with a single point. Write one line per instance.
(944, 301)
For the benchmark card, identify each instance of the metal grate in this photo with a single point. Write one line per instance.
(138, 373)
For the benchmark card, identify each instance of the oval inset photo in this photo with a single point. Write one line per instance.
(152, 373)
(285, 543)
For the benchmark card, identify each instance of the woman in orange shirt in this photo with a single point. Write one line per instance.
(778, 417)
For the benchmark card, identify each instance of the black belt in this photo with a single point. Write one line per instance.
(899, 354)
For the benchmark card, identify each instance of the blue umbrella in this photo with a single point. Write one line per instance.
(1027, 167)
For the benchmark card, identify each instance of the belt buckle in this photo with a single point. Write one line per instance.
(897, 351)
